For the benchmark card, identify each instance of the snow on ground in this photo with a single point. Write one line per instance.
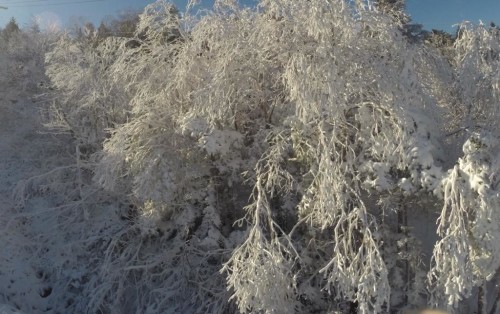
(7, 309)
(22, 155)
(30, 250)
(51, 247)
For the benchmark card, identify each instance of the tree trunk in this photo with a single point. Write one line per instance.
(403, 229)
(481, 300)
(495, 301)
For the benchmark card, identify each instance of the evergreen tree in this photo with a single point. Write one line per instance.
(103, 31)
(11, 29)
(125, 24)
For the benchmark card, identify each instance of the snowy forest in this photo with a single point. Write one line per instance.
(298, 156)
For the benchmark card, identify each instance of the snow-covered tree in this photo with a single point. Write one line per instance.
(281, 97)
(22, 56)
(395, 8)
(274, 157)
(467, 256)
(11, 29)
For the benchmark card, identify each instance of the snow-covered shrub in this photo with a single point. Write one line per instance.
(22, 59)
(467, 256)
(477, 65)
(88, 102)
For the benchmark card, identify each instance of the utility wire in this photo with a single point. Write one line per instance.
(31, 1)
(14, 2)
(47, 4)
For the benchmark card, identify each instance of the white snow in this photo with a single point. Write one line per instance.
(21, 156)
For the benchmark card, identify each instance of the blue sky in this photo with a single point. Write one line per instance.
(438, 14)
(442, 14)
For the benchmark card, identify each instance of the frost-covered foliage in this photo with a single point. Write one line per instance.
(469, 223)
(282, 97)
(477, 66)
(266, 159)
(468, 255)
(22, 57)
(90, 103)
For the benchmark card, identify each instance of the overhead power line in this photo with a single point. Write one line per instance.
(37, 4)
(14, 2)
(5, 2)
